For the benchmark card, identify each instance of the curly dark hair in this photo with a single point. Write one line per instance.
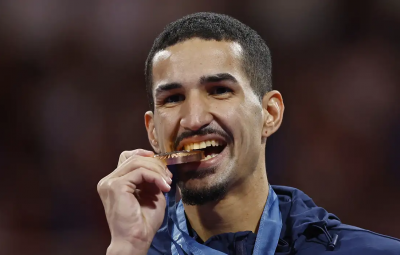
(211, 26)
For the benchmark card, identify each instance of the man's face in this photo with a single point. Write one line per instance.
(203, 98)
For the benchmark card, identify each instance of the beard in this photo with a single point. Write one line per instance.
(201, 196)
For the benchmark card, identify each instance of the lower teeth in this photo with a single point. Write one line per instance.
(209, 157)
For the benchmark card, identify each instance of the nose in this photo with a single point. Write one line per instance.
(195, 113)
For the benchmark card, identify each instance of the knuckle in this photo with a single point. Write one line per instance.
(141, 170)
(122, 154)
(146, 173)
(136, 151)
(106, 185)
(100, 186)
(112, 184)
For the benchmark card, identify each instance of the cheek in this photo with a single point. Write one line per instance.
(246, 120)
(242, 118)
(165, 131)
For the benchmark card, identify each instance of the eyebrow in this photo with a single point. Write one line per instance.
(217, 78)
(166, 87)
(203, 80)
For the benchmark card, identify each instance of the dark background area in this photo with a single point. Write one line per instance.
(73, 98)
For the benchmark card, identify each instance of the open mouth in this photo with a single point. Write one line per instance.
(211, 148)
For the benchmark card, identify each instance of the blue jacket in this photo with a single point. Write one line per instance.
(308, 230)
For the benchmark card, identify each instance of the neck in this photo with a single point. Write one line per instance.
(239, 210)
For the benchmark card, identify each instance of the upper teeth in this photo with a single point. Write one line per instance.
(201, 145)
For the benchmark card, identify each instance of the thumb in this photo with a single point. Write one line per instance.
(141, 152)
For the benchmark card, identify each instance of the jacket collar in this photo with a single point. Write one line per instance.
(298, 211)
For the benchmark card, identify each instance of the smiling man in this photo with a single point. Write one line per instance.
(209, 85)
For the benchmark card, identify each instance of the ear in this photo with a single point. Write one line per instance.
(151, 131)
(273, 108)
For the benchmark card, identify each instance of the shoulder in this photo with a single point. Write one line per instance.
(361, 241)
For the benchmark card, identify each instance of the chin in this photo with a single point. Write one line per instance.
(201, 191)
(204, 189)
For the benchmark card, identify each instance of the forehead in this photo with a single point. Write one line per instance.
(185, 62)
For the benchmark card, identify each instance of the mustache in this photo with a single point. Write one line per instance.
(201, 132)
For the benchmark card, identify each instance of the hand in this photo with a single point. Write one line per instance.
(133, 200)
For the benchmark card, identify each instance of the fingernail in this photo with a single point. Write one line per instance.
(166, 183)
(167, 179)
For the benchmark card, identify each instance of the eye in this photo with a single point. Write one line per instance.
(220, 90)
(174, 99)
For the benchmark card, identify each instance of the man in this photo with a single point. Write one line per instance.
(209, 85)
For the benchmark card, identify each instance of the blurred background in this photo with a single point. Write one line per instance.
(73, 98)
